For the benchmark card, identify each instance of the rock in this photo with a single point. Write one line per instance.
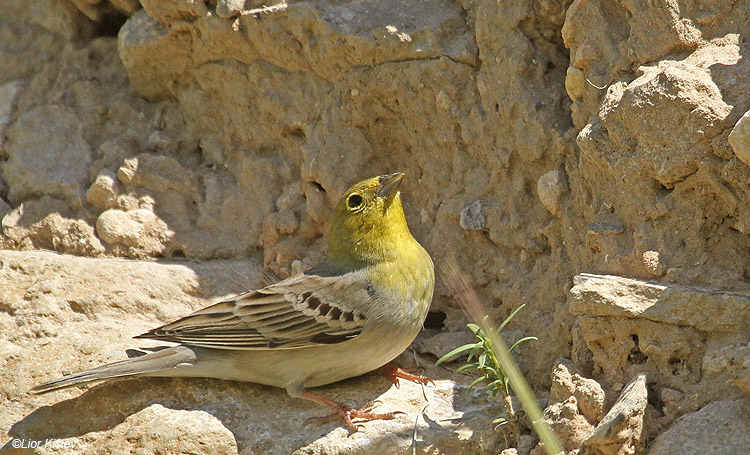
(652, 263)
(102, 194)
(169, 12)
(526, 443)
(739, 138)
(566, 382)
(568, 424)
(47, 155)
(620, 431)
(9, 93)
(4, 208)
(229, 8)
(140, 36)
(176, 431)
(126, 7)
(162, 142)
(600, 228)
(45, 223)
(156, 173)
(139, 231)
(633, 326)
(165, 179)
(58, 310)
(471, 218)
(551, 187)
(720, 428)
(473, 100)
(707, 310)
(733, 360)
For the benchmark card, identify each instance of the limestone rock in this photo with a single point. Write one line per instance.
(47, 155)
(570, 426)
(229, 8)
(566, 382)
(8, 96)
(705, 309)
(64, 314)
(102, 194)
(551, 187)
(620, 431)
(139, 230)
(633, 326)
(46, 223)
(720, 428)
(156, 429)
(739, 138)
(471, 218)
(168, 12)
(732, 360)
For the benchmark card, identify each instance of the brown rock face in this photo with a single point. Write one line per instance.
(540, 140)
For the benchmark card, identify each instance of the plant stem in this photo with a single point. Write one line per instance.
(475, 311)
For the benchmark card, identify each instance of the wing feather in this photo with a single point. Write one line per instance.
(300, 311)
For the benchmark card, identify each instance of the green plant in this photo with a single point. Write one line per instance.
(483, 358)
(472, 307)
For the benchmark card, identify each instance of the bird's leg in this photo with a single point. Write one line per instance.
(395, 373)
(362, 414)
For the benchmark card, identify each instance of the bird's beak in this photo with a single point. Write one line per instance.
(389, 184)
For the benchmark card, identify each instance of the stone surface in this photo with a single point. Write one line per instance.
(732, 361)
(720, 428)
(102, 194)
(620, 431)
(229, 8)
(704, 309)
(139, 231)
(570, 427)
(47, 155)
(471, 218)
(567, 382)
(63, 313)
(240, 134)
(739, 138)
(551, 187)
(8, 95)
(691, 342)
(161, 429)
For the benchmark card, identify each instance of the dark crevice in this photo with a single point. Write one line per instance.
(636, 356)
(110, 24)
(434, 320)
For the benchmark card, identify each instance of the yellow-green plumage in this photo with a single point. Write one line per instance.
(353, 313)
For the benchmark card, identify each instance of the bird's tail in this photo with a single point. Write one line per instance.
(149, 364)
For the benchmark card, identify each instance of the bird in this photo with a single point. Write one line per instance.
(353, 313)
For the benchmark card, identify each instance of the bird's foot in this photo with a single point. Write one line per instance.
(395, 373)
(352, 417)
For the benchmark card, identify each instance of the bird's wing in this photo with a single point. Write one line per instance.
(300, 311)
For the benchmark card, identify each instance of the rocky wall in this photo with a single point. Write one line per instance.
(540, 140)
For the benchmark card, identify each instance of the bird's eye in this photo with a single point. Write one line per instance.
(354, 201)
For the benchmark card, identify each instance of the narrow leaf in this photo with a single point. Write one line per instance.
(476, 381)
(510, 349)
(454, 352)
(468, 366)
(508, 319)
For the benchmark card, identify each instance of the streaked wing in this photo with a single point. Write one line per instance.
(300, 311)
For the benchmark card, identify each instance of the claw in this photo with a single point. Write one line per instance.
(395, 373)
(348, 414)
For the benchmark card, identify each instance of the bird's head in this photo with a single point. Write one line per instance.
(368, 224)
